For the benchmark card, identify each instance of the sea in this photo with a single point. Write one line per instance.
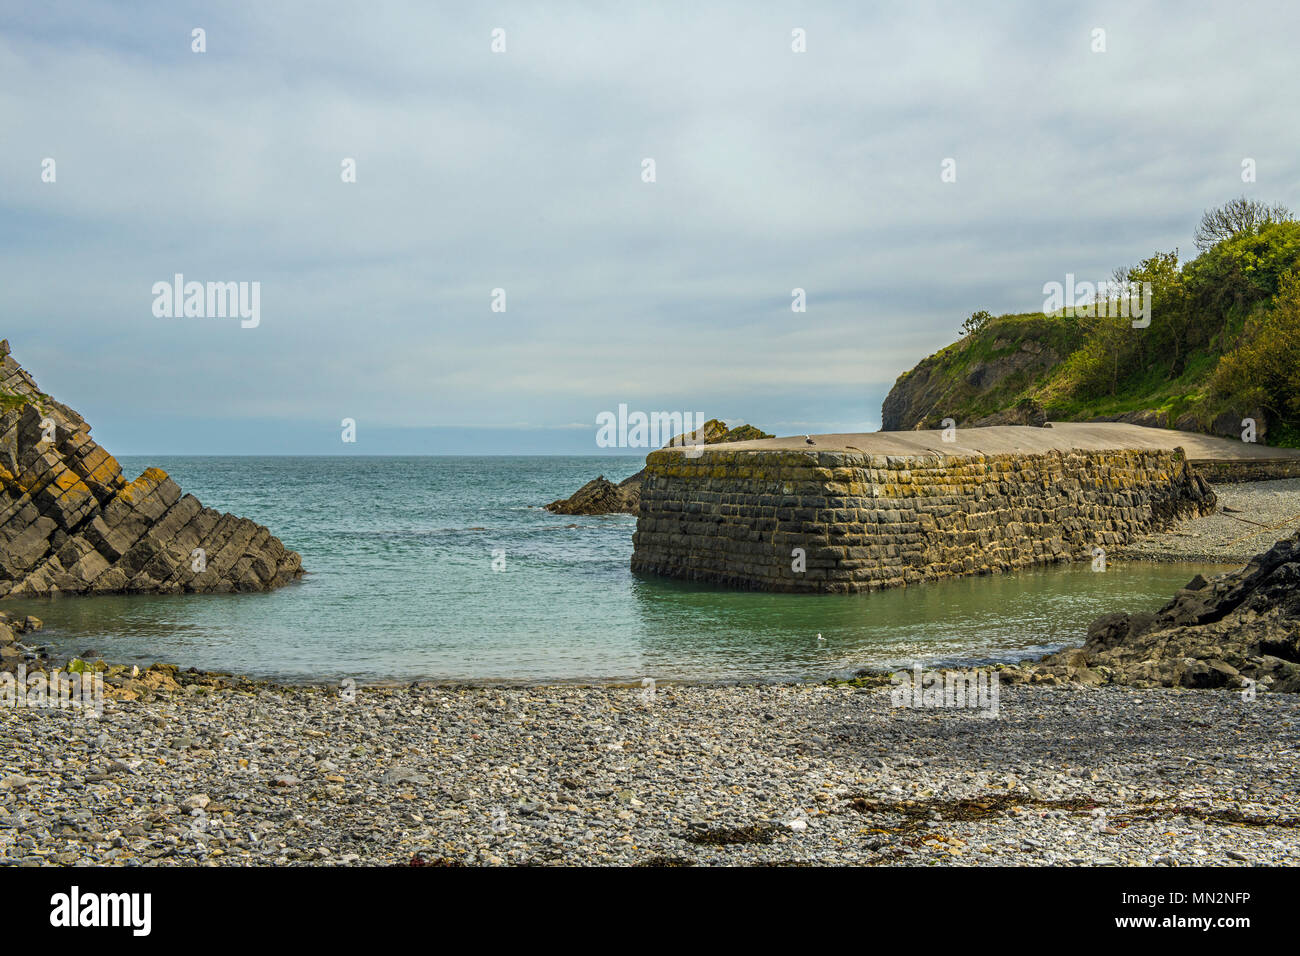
(449, 569)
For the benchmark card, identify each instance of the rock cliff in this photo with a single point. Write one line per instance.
(1022, 370)
(973, 389)
(71, 523)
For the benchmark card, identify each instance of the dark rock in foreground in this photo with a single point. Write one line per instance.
(70, 522)
(1237, 627)
(601, 496)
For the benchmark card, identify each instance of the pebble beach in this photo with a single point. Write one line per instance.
(199, 769)
(674, 775)
(1248, 518)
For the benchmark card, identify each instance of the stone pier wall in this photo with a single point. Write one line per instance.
(1248, 469)
(873, 521)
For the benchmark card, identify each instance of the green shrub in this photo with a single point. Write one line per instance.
(1264, 370)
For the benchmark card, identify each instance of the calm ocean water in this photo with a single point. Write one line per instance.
(401, 585)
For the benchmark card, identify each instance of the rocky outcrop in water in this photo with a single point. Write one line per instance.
(1236, 627)
(600, 496)
(70, 522)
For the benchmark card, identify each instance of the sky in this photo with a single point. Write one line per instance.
(523, 170)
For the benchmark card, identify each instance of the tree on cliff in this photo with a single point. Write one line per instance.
(1235, 217)
(977, 322)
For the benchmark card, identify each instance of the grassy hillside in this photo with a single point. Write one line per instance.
(1223, 344)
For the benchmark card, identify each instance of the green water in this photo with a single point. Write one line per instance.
(402, 586)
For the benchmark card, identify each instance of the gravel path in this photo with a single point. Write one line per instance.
(606, 775)
(1264, 512)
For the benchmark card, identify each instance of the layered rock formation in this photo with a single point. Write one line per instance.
(836, 521)
(1237, 627)
(70, 522)
(601, 496)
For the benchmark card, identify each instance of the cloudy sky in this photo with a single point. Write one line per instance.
(522, 170)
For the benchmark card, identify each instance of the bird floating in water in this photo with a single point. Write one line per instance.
(808, 439)
(819, 637)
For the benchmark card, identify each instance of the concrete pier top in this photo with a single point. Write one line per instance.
(1026, 439)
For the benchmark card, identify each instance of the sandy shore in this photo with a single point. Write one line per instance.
(1249, 518)
(701, 775)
